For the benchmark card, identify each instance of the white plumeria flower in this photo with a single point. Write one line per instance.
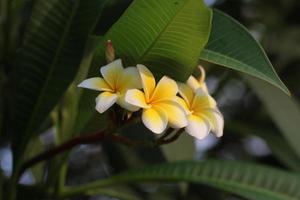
(202, 113)
(113, 86)
(158, 102)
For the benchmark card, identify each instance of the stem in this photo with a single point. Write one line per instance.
(162, 140)
(62, 178)
(94, 138)
(85, 139)
(166, 134)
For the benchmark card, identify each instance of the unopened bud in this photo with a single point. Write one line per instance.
(109, 52)
(202, 74)
(202, 78)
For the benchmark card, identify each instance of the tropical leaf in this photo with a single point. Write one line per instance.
(166, 36)
(231, 45)
(67, 112)
(282, 109)
(49, 59)
(251, 181)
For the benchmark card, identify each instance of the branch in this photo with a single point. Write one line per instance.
(95, 138)
(163, 140)
(85, 139)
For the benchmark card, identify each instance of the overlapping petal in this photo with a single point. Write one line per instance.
(148, 80)
(165, 89)
(122, 102)
(96, 83)
(193, 83)
(215, 118)
(202, 100)
(196, 84)
(186, 92)
(183, 104)
(155, 119)
(137, 98)
(197, 127)
(130, 79)
(105, 100)
(176, 114)
(112, 72)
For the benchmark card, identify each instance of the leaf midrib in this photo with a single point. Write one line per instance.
(210, 181)
(148, 175)
(162, 32)
(261, 75)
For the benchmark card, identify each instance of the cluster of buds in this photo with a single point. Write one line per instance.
(164, 104)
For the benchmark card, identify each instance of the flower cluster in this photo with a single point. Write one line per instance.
(135, 88)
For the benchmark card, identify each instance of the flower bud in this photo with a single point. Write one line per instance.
(109, 52)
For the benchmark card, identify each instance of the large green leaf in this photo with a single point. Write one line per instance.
(52, 50)
(251, 181)
(232, 46)
(167, 36)
(283, 110)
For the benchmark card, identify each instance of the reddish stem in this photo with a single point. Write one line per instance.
(85, 139)
(95, 138)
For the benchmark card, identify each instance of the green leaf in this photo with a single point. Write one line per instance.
(251, 181)
(68, 110)
(49, 59)
(166, 36)
(283, 110)
(231, 45)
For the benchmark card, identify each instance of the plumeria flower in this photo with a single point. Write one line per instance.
(113, 86)
(157, 101)
(202, 113)
(195, 84)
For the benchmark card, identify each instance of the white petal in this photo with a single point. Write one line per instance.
(155, 119)
(186, 92)
(96, 83)
(218, 124)
(166, 88)
(148, 80)
(112, 72)
(121, 102)
(176, 115)
(105, 100)
(183, 104)
(215, 118)
(193, 83)
(130, 80)
(136, 97)
(202, 100)
(197, 127)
